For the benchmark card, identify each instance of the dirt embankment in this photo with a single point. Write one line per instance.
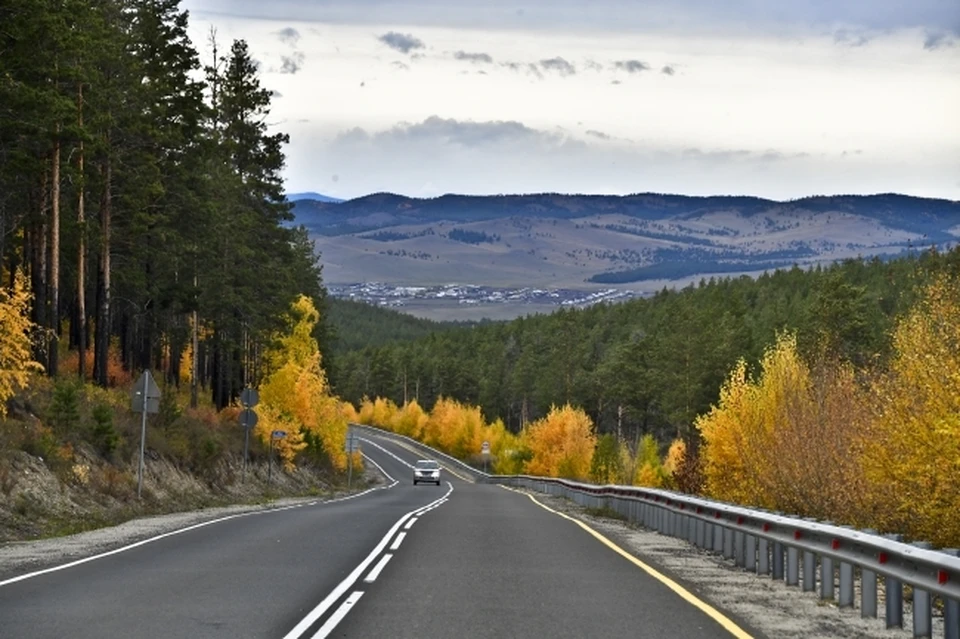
(39, 501)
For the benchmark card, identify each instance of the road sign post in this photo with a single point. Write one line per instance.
(145, 398)
(277, 434)
(485, 451)
(351, 445)
(248, 419)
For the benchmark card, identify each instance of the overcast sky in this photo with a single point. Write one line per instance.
(777, 98)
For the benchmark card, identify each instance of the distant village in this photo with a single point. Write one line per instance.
(394, 296)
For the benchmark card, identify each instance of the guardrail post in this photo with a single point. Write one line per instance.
(763, 557)
(692, 529)
(727, 543)
(778, 561)
(750, 544)
(793, 566)
(809, 571)
(922, 605)
(717, 537)
(739, 555)
(846, 585)
(700, 526)
(826, 578)
(893, 591)
(951, 609)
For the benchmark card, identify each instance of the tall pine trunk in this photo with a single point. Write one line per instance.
(81, 316)
(102, 341)
(54, 348)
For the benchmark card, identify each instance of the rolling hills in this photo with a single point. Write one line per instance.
(636, 242)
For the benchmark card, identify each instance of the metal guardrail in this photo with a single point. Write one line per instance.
(784, 547)
(789, 548)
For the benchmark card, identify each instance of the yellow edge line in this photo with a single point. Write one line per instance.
(689, 597)
(419, 453)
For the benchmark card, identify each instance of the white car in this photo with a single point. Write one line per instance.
(426, 470)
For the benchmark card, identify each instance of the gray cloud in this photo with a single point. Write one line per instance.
(404, 43)
(594, 66)
(473, 57)
(632, 66)
(461, 133)
(292, 63)
(851, 38)
(519, 67)
(559, 65)
(289, 35)
(936, 40)
(598, 134)
(400, 65)
(668, 70)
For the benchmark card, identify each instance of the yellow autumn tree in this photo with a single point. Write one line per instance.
(649, 471)
(16, 361)
(561, 444)
(912, 451)
(787, 440)
(295, 396)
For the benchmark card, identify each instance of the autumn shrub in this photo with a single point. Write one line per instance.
(561, 444)
(409, 420)
(649, 469)
(606, 463)
(911, 453)
(16, 359)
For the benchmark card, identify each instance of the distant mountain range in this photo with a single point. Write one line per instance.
(591, 240)
(310, 195)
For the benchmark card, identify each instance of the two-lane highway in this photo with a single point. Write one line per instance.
(461, 559)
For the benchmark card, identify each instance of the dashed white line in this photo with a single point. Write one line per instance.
(373, 574)
(398, 541)
(345, 585)
(380, 468)
(410, 523)
(338, 616)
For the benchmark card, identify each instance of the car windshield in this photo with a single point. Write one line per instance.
(427, 465)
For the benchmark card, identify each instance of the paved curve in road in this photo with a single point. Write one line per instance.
(459, 560)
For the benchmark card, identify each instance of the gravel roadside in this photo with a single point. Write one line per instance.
(769, 606)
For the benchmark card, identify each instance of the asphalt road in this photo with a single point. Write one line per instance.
(459, 560)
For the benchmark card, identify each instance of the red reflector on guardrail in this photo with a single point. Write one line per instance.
(766, 527)
(942, 577)
(739, 521)
(716, 515)
(797, 534)
(699, 510)
(835, 544)
(882, 558)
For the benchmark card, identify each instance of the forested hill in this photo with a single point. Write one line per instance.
(651, 365)
(355, 325)
(930, 217)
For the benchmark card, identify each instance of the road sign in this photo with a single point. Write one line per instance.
(277, 434)
(152, 394)
(352, 444)
(485, 448)
(249, 397)
(248, 418)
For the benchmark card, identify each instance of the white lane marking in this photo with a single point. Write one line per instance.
(179, 531)
(373, 574)
(380, 468)
(410, 523)
(376, 445)
(338, 616)
(398, 541)
(344, 585)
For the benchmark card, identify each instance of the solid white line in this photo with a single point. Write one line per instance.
(398, 541)
(410, 523)
(373, 574)
(380, 468)
(376, 445)
(344, 585)
(338, 616)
